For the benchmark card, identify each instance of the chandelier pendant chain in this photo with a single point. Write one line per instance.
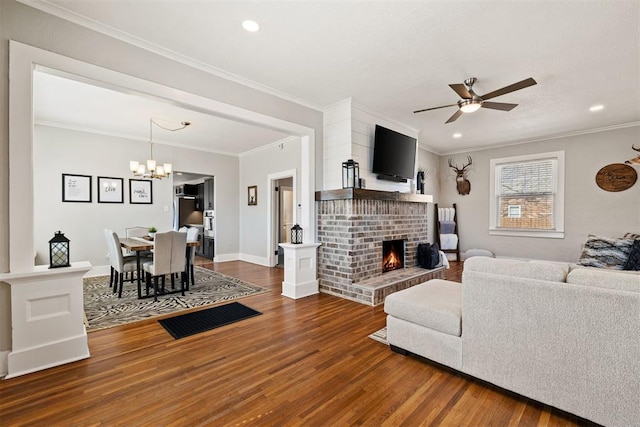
(157, 171)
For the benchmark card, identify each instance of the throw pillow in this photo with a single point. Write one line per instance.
(632, 236)
(633, 263)
(605, 252)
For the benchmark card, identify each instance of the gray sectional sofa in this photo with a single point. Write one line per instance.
(563, 335)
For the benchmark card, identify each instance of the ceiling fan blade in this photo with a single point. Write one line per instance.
(511, 88)
(461, 90)
(454, 117)
(436, 108)
(503, 106)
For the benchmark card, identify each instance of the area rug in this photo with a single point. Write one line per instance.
(380, 336)
(193, 323)
(103, 308)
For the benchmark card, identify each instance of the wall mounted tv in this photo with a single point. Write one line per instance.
(394, 155)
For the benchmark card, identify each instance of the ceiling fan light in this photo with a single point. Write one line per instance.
(469, 106)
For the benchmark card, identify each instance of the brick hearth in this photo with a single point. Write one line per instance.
(352, 224)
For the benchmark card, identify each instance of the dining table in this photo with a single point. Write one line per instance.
(141, 244)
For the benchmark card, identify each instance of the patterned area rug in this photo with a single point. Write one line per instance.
(380, 336)
(103, 309)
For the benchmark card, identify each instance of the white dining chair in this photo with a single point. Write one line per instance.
(168, 258)
(119, 265)
(192, 236)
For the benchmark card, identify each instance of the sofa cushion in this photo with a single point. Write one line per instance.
(436, 304)
(618, 280)
(605, 252)
(542, 270)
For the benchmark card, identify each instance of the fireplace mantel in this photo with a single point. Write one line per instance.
(362, 194)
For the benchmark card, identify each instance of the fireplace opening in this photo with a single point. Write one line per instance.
(392, 255)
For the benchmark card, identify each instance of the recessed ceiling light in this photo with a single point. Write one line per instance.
(251, 26)
(457, 135)
(596, 108)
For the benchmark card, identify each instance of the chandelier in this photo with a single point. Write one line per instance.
(152, 168)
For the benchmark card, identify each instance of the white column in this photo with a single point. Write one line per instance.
(47, 318)
(300, 266)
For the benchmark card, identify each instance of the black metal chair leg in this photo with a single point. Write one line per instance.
(192, 276)
(121, 284)
(155, 288)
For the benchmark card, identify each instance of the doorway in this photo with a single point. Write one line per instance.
(284, 213)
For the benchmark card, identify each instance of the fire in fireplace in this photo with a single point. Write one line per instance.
(392, 255)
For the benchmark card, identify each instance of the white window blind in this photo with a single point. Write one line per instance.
(527, 195)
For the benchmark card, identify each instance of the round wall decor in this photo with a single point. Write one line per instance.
(616, 177)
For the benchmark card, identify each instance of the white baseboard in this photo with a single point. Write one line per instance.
(226, 257)
(264, 261)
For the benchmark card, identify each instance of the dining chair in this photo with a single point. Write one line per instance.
(138, 231)
(192, 236)
(168, 258)
(119, 265)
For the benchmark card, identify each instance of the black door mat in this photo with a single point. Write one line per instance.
(204, 320)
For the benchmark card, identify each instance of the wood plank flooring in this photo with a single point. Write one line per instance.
(305, 362)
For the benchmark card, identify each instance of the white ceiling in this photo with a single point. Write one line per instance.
(395, 57)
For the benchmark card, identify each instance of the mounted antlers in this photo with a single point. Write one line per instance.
(635, 160)
(463, 184)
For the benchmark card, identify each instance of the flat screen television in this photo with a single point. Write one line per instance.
(394, 155)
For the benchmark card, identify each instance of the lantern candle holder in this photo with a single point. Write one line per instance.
(58, 251)
(296, 234)
(350, 174)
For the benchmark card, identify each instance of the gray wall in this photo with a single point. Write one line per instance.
(254, 170)
(588, 209)
(430, 163)
(74, 152)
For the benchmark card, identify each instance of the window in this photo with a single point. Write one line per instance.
(527, 195)
(514, 211)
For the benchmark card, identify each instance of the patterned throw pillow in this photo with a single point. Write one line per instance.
(632, 236)
(605, 252)
(634, 257)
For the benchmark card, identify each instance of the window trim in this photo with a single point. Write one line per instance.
(558, 232)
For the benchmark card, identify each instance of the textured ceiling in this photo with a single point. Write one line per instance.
(395, 57)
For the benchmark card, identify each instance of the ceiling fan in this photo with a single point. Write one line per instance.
(471, 101)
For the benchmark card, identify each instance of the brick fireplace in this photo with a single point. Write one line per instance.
(352, 226)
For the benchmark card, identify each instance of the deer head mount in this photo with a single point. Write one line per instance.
(462, 183)
(636, 159)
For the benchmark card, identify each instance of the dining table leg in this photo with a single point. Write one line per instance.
(187, 268)
(138, 272)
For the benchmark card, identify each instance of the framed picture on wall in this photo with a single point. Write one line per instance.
(252, 197)
(110, 190)
(76, 188)
(140, 192)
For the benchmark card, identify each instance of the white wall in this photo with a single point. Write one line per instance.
(98, 155)
(254, 170)
(349, 131)
(588, 209)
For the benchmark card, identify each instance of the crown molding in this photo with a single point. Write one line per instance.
(541, 139)
(65, 126)
(83, 21)
(280, 143)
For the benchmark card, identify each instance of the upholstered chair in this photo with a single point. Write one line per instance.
(169, 256)
(119, 266)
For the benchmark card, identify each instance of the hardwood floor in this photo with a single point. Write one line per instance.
(305, 362)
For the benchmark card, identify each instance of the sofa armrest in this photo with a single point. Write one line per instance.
(570, 346)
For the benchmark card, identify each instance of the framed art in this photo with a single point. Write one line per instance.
(110, 190)
(140, 192)
(76, 188)
(252, 196)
